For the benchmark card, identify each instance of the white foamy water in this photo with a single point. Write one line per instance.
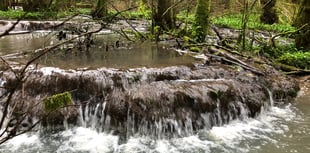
(269, 130)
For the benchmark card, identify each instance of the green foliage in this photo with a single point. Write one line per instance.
(276, 52)
(15, 14)
(235, 21)
(289, 55)
(138, 14)
(186, 17)
(298, 59)
(57, 101)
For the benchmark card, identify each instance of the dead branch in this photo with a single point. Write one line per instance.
(272, 39)
(21, 78)
(231, 59)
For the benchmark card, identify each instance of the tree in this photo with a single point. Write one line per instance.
(4, 4)
(202, 19)
(101, 9)
(165, 16)
(269, 15)
(303, 20)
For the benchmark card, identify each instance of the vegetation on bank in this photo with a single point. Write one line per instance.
(45, 15)
(234, 21)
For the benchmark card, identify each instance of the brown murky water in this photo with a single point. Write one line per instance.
(103, 54)
(141, 55)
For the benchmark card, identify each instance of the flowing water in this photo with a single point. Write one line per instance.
(278, 129)
(284, 128)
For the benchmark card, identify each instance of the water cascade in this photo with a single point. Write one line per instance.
(168, 109)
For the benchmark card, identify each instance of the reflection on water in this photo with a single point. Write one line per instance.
(109, 50)
(24, 42)
(141, 55)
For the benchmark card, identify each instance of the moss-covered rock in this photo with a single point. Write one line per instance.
(57, 101)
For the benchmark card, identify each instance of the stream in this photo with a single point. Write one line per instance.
(280, 128)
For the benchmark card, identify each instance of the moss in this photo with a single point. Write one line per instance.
(57, 101)
(202, 19)
(195, 49)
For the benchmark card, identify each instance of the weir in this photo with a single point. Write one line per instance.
(161, 103)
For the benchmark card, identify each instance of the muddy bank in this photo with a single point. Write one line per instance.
(135, 100)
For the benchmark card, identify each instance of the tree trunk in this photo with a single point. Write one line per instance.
(302, 37)
(269, 15)
(165, 15)
(35, 5)
(101, 9)
(4, 4)
(202, 19)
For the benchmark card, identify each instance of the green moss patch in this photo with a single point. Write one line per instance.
(57, 101)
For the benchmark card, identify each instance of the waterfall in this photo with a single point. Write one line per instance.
(95, 116)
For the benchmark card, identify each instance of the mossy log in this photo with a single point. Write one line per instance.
(290, 70)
